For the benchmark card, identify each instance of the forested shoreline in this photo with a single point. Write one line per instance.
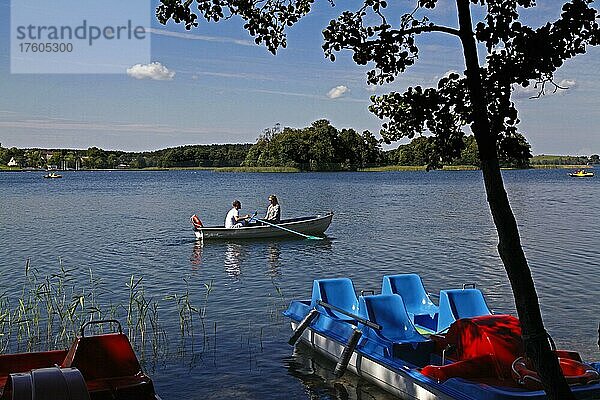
(319, 147)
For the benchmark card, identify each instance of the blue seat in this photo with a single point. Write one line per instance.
(460, 303)
(338, 292)
(389, 311)
(418, 304)
(398, 334)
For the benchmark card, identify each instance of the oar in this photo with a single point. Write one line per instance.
(252, 217)
(289, 230)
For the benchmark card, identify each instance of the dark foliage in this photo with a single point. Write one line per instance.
(319, 147)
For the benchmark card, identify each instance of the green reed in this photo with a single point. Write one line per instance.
(48, 311)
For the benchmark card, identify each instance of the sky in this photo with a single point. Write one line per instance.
(213, 85)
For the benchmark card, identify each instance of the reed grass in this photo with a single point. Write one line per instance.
(394, 168)
(49, 310)
(256, 169)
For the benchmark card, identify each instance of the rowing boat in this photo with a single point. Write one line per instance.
(96, 367)
(415, 349)
(312, 225)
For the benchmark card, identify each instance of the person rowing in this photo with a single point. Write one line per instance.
(233, 218)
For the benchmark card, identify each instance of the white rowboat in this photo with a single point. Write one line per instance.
(312, 225)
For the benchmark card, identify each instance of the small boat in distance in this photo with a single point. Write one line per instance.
(413, 348)
(52, 175)
(303, 226)
(96, 367)
(581, 173)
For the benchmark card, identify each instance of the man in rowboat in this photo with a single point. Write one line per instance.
(233, 218)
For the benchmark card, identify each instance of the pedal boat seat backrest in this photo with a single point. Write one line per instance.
(109, 364)
(460, 303)
(398, 334)
(103, 356)
(338, 292)
(418, 304)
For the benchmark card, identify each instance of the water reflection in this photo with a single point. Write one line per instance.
(196, 257)
(270, 254)
(316, 374)
(234, 256)
(273, 258)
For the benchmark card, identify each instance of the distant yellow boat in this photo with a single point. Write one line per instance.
(582, 173)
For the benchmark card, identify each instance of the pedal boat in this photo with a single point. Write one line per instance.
(98, 367)
(403, 342)
(582, 174)
(312, 225)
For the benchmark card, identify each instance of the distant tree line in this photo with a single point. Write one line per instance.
(565, 160)
(215, 155)
(318, 147)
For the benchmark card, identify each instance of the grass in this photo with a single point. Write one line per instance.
(7, 168)
(170, 169)
(48, 311)
(388, 168)
(256, 169)
(555, 166)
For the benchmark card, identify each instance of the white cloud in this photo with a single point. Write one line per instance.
(533, 90)
(155, 71)
(62, 124)
(205, 38)
(568, 83)
(450, 72)
(337, 92)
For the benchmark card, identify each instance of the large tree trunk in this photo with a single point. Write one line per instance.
(537, 347)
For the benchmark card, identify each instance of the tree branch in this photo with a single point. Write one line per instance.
(430, 28)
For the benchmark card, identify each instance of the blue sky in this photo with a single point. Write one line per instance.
(218, 87)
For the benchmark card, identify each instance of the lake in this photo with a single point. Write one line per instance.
(122, 223)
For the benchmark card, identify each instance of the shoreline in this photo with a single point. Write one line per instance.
(388, 168)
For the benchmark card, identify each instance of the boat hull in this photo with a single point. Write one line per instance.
(315, 225)
(96, 367)
(391, 381)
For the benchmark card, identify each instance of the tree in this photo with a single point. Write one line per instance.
(516, 54)
(470, 154)
(70, 159)
(4, 155)
(56, 158)
(318, 147)
(34, 158)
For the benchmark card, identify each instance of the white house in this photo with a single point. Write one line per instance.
(13, 163)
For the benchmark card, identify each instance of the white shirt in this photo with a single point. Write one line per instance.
(230, 221)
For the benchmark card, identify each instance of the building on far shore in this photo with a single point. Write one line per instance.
(13, 162)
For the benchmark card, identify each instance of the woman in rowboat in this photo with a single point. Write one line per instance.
(273, 211)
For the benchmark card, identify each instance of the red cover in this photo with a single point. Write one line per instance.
(483, 347)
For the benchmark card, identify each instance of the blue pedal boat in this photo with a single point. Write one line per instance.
(405, 343)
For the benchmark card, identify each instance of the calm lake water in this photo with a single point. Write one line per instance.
(437, 224)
